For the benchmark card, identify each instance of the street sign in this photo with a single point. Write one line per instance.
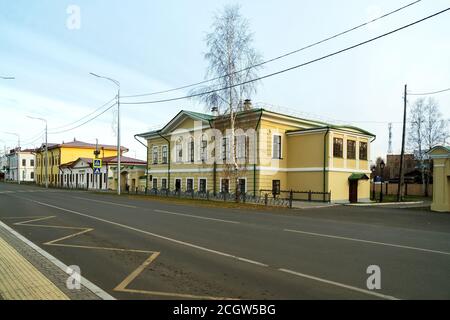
(97, 163)
(97, 170)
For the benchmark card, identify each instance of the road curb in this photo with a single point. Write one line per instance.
(61, 265)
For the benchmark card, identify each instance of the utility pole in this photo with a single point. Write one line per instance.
(402, 155)
(117, 83)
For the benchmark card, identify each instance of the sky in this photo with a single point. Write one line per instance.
(157, 45)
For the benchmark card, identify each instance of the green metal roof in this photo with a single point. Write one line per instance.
(358, 176)
(203, 116)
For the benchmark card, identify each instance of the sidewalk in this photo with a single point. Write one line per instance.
(29, 273)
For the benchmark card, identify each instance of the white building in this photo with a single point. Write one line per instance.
(20, 165)
(79, 174)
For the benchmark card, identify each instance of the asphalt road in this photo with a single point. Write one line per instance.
(142, 249)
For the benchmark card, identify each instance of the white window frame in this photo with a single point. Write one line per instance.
(220, 184)
(206, 183)
(162, 183)
(178, 148)
(203, 154)
(191, 150)
(155, 150)
(167, 154)
(280, 156)
(193, 183)
(175, 183)
(246, 183)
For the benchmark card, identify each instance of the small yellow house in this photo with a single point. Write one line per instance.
(66, 152)
(441, 178)
(266, 151)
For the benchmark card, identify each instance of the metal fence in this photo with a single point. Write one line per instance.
(292, 195)
(220, 196)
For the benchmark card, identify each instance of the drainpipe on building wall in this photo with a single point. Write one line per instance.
(325, 162)
(168, 159)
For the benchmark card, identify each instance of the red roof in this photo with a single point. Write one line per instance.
(86, 145)
(124, 160)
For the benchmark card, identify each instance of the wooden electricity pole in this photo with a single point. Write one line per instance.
(402, 155)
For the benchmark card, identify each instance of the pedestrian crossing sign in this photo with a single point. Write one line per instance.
(97, 163)
(97, 171)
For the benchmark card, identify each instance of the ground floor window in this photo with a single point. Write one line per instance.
(177, 185)
(164, 183)
(276, 187)
(242, 185)
(32, 175)
(202, 185)
(155, 183)
(189, 185)
(225, 186)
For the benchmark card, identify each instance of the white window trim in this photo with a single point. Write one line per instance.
(162, 158)
(281, 146)
(162, 183)
(246, 182)
(229, 184)
(193, 183)
(175, 181)
(198, 183)
(153, 155)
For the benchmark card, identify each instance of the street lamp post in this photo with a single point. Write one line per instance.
(382, 180)
(46, 149)
(117, 83)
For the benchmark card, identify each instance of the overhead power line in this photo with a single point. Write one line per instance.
(278, 57)
(84, 117)
(428, 93)
(85, 122)
(294, 67)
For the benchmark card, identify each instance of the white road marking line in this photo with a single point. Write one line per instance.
(214, 251)
(107, 202)
(368, 241)
(338, 284)
(194, 216)
(151, 234)
(85, 282)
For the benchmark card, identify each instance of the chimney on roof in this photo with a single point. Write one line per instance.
(215, 111)
(247, 104)
(74, 139)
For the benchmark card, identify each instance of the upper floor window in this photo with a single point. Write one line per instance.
(155, 155)
(276, 147)
(179, 150)
(32, 163)
(203, 148)
(242, 146)
(337, 147)
(24, 162)
(164, 154)
(191, 147)
(351, 149)
(225, 148)
(363, 150)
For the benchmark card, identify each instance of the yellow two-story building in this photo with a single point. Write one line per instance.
(64, 153)
(265, 151)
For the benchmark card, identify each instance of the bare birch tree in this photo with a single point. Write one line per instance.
(426, 129)
(232, 61)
